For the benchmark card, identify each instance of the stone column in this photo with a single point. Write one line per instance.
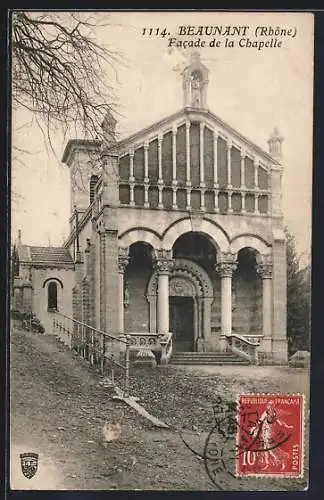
(174, 155)
(243, 154)
(202, 167)
(243, 203)
(229, 163)
(225, 268)
(256, 203)
(188, 178)
(146, 177)
(131, 177)
(160, 140)
(146, 147)
(201, 151)
(123, 259)
(164, 264)
(256, 172)
(204, 341)
(216, 206)
(264, 270)
(174, 168)
(215, 142)
(188, 152)
(160, 180)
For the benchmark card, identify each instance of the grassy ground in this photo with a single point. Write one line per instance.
(59, 409)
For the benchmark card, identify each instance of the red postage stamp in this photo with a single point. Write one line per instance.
(270, 435)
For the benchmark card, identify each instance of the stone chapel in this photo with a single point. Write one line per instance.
(177, 228)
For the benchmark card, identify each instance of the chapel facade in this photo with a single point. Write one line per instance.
(178, 228)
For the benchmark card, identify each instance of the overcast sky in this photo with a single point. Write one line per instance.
(253, 90)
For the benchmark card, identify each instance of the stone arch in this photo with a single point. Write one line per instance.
(53, 279)
(189, 270)
(199, 225)
(183, 286)
(251, 241)
(195, 283)
(135, 235)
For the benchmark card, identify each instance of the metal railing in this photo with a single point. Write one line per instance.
(106, 353)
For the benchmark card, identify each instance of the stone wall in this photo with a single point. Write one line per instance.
(64, 295)
(136, 315)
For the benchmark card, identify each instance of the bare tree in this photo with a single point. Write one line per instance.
(60, 73)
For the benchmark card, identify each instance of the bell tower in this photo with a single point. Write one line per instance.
(195, 81)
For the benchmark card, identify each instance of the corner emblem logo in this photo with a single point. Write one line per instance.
(29, 464)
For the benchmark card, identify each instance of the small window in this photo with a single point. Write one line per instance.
(52, 296)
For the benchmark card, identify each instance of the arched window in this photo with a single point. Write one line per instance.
(52, 296)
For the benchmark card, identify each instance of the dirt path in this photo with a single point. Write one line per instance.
(58, 409)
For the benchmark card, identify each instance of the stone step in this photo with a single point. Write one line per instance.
(207, 358)
(203, 355)
(193, 362)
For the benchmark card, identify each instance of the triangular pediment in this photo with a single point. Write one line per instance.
(193, 115)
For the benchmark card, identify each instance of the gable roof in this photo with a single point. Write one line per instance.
(188, 111)
(50, 256)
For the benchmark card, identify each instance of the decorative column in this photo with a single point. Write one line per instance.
(256, 185)
(174, 155)
(123, 259)
(188, 207)
(256, 170)
(243, 154)
(229, 163)
(243, 211)
(225, 268)
(204, 342)
(264, 270)
(256, 203)
(146, 147)
(202, 167)
(243, 187)
(188, 153)
(174, 168)
(131, 178)
(160, 180)
(216, 206)
(160, 139)
(164, 265)
(146, 177)
(188, 181)
(201, 151)
(215, 142)
(229, 207)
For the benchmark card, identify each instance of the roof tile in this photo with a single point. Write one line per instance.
(50, 255)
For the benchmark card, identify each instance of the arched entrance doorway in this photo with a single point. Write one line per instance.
(190, 298)
(183, 312)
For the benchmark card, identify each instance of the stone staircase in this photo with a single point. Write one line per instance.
(207, 358)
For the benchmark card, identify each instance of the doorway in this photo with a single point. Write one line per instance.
(182, 323)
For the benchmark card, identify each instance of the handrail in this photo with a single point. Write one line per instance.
(93, 328)
(244, 339)
(243, 347)
(167, 347)
(102, 350)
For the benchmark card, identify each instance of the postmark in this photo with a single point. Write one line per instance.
(269, 438)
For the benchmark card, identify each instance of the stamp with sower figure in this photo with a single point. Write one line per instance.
(270, 435)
